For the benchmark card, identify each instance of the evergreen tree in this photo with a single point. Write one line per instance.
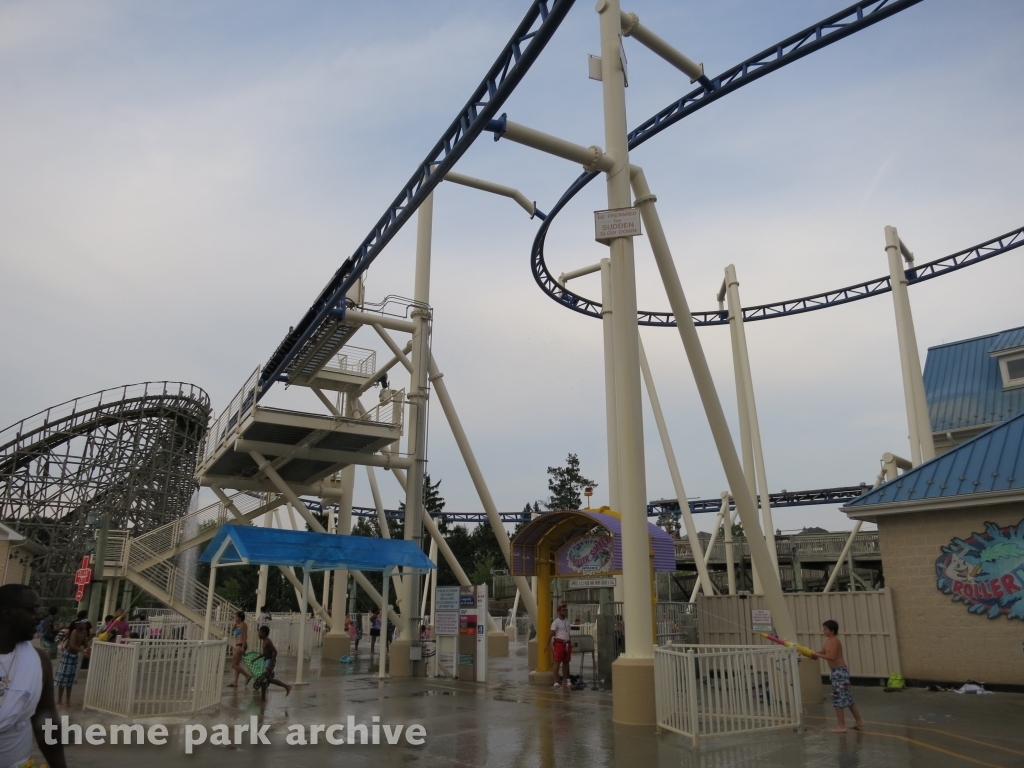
(566, 485)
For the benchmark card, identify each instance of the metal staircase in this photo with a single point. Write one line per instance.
(145, 560)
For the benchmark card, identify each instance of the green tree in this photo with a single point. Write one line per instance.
(566, 485)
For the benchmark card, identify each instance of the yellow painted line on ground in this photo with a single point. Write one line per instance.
(926, 745)
(935, 730)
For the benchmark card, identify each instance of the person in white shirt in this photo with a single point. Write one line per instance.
(26, 682)
(562, 646)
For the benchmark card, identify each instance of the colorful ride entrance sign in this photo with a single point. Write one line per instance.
(986, 571)
(587, 554)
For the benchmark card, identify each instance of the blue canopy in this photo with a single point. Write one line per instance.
(317, 551)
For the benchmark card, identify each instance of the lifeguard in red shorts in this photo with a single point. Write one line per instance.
(562, 642)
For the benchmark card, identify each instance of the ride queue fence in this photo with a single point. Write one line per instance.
(718, 690)
(147, 678)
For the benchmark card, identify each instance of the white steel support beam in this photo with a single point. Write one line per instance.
(326, 401)
(477, 476)
(631, 27)
(633, 672)
(572, 274)
(922, 447)
(612, 429)
(382, 370)
(228, 504)
(382, 519)
(384, 460)
(418, 393)
(314, 524)
(442, 546)
(369, 318)
(745, 506)
(707, 553)
(730, 554)
(497, 189)
(673, 469)
(742, 358)
(591, 158)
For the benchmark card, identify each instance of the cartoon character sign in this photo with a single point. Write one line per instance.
(986, 571)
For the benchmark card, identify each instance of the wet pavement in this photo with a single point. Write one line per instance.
(507, 722)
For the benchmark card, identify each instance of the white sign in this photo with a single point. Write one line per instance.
(617, 222)
(446, 623)
(591, 583)
(761, 620)
(446, 599)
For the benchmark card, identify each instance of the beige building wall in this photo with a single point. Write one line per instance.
(938, 639)
(14, 563)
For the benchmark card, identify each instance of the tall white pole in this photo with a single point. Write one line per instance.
(382, 518)
(730, 554)
(633, 672)
(609, 383)
(745, 506)
(922, 447)
(673, 468)
(418, 428)
(754, 431)
(331, 528)
(303, 621)
(261, 585)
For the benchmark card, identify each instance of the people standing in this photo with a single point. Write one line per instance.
(48, 633)
(374, 629)
(842, 696)
(264, 617)
(241, 634)
(269, 652)
(26, 682)
(562, 646)
(67, 672)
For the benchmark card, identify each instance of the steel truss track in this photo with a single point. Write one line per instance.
(526, 44)
(529, 39)
(834, 28)
(781, 500)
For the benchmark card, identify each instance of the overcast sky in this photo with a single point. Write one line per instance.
(179, 180)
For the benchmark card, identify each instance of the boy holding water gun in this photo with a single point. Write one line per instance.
(842, 697)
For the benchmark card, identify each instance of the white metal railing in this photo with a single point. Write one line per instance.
(179, 587)
(231, 417)
(284, 633)
(147, 678)
(715, 690)
(362, 362)
(164, 540)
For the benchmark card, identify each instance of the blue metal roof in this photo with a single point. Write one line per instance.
(322, 551)
(963, 385)
(993, 461)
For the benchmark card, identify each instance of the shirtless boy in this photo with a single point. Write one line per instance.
(842, 698)
(270, 661)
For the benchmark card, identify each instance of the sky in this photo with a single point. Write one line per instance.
(179, 180)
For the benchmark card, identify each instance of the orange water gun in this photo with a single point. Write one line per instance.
(803, 650)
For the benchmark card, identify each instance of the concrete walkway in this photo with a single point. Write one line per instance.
(507, 722)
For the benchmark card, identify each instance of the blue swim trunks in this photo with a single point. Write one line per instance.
(842, 698)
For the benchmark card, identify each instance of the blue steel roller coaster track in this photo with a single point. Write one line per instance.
(478, 115)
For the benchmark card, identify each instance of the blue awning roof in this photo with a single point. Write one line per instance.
(992, 462)
(317, 551)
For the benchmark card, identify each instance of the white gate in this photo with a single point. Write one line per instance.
(144, 678)
(717, 690)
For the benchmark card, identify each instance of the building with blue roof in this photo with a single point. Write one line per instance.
(974, 384)
(951, 530)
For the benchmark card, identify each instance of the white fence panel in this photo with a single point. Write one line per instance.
(867, 626)
(703, 691)
(146, 678)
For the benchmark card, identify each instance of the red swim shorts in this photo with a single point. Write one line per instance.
(563, 651)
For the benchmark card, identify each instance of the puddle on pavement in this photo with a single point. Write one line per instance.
(433, 693)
